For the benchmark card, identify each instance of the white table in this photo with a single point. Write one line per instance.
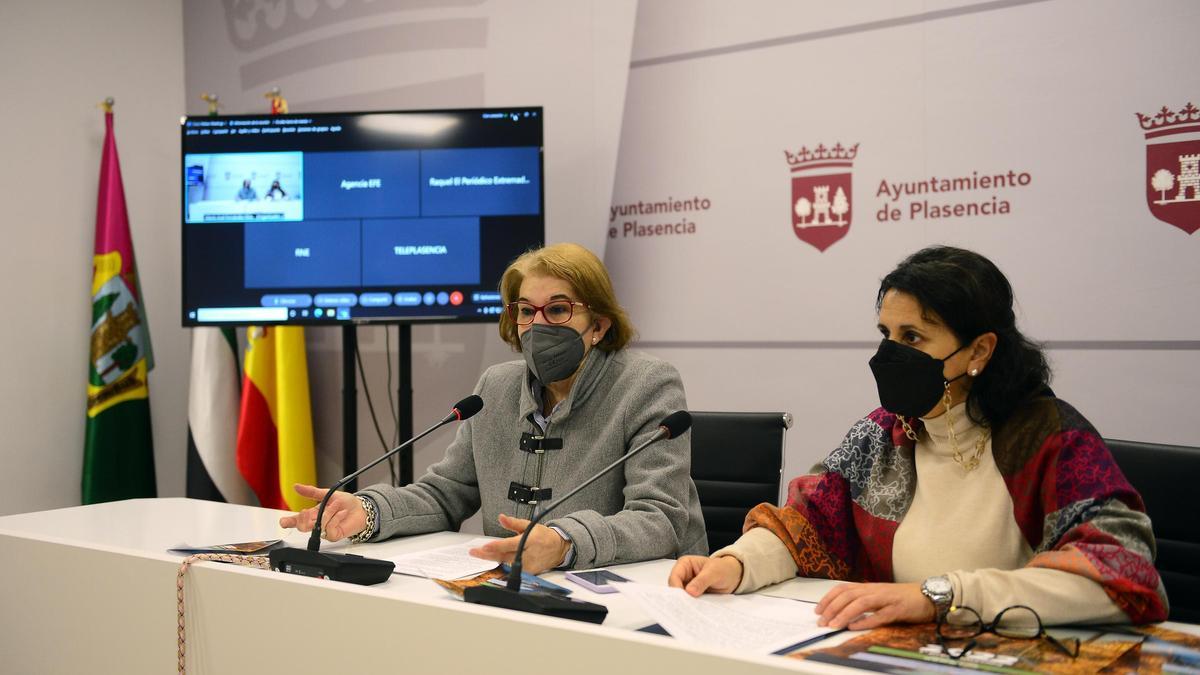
(92, 589)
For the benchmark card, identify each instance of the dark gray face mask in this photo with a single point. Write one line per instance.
(552, 353)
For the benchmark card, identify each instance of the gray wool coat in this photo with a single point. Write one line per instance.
(645, 510)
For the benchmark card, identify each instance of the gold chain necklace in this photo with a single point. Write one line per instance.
(968, 465)
(972, 463)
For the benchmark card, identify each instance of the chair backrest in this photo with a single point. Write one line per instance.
(1167, 477)
(737, 463)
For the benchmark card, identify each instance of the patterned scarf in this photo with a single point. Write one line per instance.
(1070, 500)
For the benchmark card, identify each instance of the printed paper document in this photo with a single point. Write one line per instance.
(447, 562)
(753, 623)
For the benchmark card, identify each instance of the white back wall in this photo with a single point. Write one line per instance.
(61, 58)
(717, 92)
(1013, 126)
(570, 57)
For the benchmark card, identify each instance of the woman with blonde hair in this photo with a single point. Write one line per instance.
(576, 401)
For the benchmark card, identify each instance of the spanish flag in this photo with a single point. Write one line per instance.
(275, 437)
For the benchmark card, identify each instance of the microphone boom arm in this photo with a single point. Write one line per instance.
(514, 576)
(314, 540)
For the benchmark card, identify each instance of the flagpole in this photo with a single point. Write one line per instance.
(118, 443)
(349, 404)
(279, 106)
(275, 446)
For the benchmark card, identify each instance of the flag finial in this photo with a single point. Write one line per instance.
(107, 104)
(213, 103)
(279, 104)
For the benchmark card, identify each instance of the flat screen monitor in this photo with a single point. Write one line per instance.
(357, 217)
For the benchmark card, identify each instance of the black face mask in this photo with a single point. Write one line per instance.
(910, 381)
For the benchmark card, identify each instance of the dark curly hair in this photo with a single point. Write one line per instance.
(971, 296)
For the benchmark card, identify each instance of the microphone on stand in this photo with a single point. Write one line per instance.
(541, 602)
(311, 562)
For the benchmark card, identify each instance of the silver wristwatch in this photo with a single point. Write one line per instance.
(940, 592)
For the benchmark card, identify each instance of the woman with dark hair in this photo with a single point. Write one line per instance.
(972, 486)
(276, 189)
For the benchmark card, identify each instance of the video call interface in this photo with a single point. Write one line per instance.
(353, 217)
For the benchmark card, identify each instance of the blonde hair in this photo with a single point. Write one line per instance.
(587, 276)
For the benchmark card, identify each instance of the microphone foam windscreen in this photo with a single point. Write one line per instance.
(469, 406)
(676, 423)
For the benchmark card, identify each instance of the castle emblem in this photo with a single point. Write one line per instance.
(120, 340)
(821, 193)
(1172, 180)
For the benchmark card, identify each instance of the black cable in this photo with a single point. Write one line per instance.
(362, 375)
(392, 406)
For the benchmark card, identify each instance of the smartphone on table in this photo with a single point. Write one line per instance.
(597, 581)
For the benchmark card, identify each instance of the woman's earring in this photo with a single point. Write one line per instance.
(974, 372)
(595, 339)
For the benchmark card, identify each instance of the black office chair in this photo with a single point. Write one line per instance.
(1168, 476)
(737, 463)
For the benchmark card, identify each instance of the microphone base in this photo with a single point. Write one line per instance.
(547, 604)
(353, 569)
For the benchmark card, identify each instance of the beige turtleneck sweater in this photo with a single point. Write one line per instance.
(960, 524)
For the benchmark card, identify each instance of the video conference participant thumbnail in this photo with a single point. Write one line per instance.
(308, 254)
(374, 184)
(421, 251)
(244, 187)
(481, 182)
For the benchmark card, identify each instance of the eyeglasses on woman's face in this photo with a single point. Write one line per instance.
(555, 312)
(1018, 622)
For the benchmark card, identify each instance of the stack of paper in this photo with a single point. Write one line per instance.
(748, 623)
(447, 562)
